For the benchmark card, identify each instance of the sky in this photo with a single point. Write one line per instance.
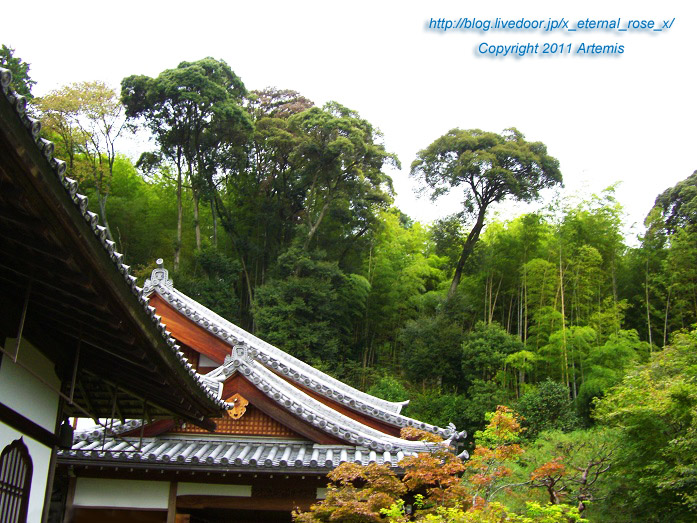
(623, 117)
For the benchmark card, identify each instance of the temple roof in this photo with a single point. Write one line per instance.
(225, 453)
(274, 372)
(84, 305)
(335, 417)
(232, 334)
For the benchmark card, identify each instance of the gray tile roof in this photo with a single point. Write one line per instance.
(225, 454)
(232, 334)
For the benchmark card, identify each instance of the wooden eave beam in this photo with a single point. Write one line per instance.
(80, 316)
(44, 280)
(25, 220)
(49, 271)
(118, 352)
(138, 388)
(189, 332)
(22, 238)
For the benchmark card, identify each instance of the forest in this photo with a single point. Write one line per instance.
(567, 350)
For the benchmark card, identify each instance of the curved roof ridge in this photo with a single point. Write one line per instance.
(225, 329)
(315, 412)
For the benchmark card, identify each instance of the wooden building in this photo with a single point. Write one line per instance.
(77, 335)
(286, 426)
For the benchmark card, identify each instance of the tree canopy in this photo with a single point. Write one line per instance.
(488, 168)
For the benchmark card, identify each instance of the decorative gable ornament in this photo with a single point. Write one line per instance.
(239, 406)
(158, 278)
(241, 354)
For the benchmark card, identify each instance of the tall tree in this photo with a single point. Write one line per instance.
(260, 191)
(488, 167)
(190, 110)
(340, 155)
(670, 246)
(678, 205)
(88, 118)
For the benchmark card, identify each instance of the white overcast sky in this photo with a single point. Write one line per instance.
(630, 118)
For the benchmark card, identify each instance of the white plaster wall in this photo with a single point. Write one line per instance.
(28, 396)
(121, 493)
(207, 489)
(204, 361)
(40, 457)
(23, 392)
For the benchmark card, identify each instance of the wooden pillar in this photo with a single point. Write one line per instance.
(172, 503)
(48, 494)
(52, 464)
(70, 498)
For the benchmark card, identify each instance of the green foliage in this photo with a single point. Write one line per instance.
(485, 350)
(196, 116)
(655, 411)
(608, 363)
(678, 205)
(502, 165)
(567, 350)
(432, 351)
(388, 388)
(303, 311)
(438, 408)
(403, 273)
(482, 397)
(547, 407)
(87, 119)
(213, 283)
(340, 159)
(571, 467)
(447, 233)
(497, 513)
(488, 168)
(21, 81)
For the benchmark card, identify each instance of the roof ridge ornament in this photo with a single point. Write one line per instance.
(158, 278)
(241, 356)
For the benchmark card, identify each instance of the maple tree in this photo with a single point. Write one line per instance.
(356, 495)
(498, 445)
(364, 494)
(549, 476)
(577, 471)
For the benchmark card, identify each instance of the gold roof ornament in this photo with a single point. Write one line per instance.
(239, 406)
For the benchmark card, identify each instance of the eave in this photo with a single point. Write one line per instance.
(82, 304)
(223, 455)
